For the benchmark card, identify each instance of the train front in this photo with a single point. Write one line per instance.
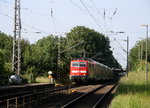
(79, 71)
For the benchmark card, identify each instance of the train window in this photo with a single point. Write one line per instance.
(82, 64)
(90, 65)
(78, 64)
(75, 64)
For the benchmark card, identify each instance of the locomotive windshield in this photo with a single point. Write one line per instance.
(82, 64)
(78, 64)
(75, 64)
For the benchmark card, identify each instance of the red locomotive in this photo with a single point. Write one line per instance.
(84, 70)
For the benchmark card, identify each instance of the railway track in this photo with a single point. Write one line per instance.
(30, 98)
(21, 90)
(54, 96)
(95, 98)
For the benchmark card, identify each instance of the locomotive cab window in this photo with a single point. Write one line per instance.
(78, 64)
(82, 64)
(75, 64)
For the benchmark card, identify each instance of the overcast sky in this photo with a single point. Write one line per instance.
(44, 17)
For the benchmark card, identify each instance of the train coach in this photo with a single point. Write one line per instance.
(84, 70)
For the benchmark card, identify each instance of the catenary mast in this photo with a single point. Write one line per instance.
(16, 40)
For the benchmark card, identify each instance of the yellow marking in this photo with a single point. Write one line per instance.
(57, 85)
(73, 91)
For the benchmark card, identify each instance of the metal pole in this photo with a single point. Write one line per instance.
(146, 70)
(16, 39)
(58, 61)
(127, 55)
(19, 39)
(146, 53)
(141, 54)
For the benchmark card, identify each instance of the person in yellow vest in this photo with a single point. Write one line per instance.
(50, 77)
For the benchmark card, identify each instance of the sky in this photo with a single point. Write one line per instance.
(41, 18)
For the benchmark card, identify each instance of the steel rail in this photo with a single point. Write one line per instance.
(34, 90)
(97, 105)
(35, 94)
(68, 105)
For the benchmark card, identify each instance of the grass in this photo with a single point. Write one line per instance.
(42, 80)
(132, 92)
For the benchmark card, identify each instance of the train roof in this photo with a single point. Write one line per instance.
(101, 64)
(93, 61)
(78, 60)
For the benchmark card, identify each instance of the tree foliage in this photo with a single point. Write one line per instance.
(39, 58)
(95, 44)
(2, 62)
(5, 57)
(138, 52)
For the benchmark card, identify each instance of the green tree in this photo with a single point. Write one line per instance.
(37, 59)
(46, 50)
(134, 53)
(6, 46)
(94, 43)
(2, 62)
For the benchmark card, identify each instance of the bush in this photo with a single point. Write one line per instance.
(30, 75)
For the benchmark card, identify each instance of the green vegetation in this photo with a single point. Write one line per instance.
(95, 43)
(39, 58)
(42, 79)
(132, 92)
(138, 52)
(5, 58)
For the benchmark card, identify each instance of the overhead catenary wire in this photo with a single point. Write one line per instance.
(46, 15)
(97, 21)
(8, 2)
(22, 21)
(121, 56)
(101, 15)
(50, 15)
(51, 8)
(52, 11)
(25, 24)
(77, 5)
(120, 45)
(85, 10)
(91, 15)
(116, 53)
(54, 19)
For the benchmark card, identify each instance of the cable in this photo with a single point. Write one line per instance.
(6, 15)
(47, 15)
(103, 15)
(91, 15)
(121, 56)
(25, 23)
(121, 46)
(77, 5)
(116, 52)
(99, 13)
(8, 2)
(27, 9)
